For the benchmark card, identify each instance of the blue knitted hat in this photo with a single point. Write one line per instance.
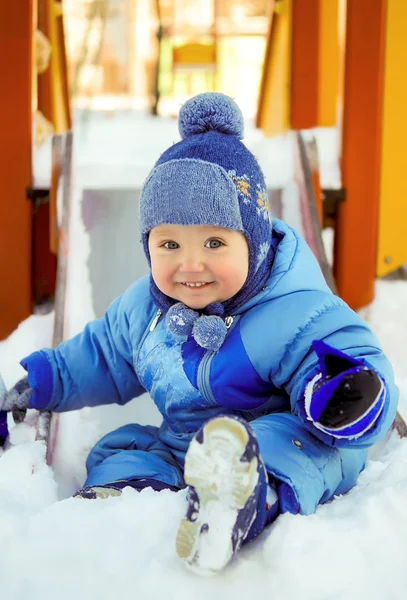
(209, 178)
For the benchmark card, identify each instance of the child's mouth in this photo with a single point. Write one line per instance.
(198, 285)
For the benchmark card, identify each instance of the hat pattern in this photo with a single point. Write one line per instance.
(258, 197)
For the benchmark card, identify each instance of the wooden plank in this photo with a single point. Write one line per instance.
(45, 79)
(62, 103)
(289, 88)
(265, 73)
(53, 89)
(304, 64)
(356, 229)
(392, 247)
(43, 260)
(328, 62)
(273, 115)
(16, 118)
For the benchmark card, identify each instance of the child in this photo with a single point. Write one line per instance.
(271, 389)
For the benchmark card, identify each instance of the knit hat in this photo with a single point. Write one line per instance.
(209, 178)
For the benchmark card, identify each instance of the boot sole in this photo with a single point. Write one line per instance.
(223, 483)
(100, 493)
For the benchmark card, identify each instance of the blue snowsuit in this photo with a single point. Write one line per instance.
(259, 373)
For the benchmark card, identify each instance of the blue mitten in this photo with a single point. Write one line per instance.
(3, 428)
(3, 415)
(347, 397)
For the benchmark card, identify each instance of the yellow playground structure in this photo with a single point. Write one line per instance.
(327, 63)
(338, 62)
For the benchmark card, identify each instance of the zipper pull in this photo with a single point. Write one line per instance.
(228, 321)
(155, 320)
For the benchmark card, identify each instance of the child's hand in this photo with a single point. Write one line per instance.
(3, 428)
(16, 400)
(347, 398)
(3, 415)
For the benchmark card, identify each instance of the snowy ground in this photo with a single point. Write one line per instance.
(53, 546)
(353, 548)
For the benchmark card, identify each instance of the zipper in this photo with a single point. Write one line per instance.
(204, 369)
(229, 322)
(203, 374)
(154, 322)
(148, 330)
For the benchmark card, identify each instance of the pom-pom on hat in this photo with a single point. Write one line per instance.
(210, 112)
(210, 178)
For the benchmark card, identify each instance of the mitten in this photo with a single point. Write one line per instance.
(16, 400)
(3, 415)
(3, 428)
(347, 397)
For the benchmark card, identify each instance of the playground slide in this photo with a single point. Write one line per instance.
(104, 213)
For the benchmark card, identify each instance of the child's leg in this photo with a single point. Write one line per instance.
(231, 473)
(132, 452)
(227, 485)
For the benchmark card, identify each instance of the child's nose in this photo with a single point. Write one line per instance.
(192, 263)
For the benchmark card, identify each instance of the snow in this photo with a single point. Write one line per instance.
(55, 546)
(32, 334)
(352, 548)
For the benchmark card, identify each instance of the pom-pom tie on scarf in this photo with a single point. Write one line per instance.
(208, 330)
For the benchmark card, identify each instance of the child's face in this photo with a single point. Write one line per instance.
(182, 255)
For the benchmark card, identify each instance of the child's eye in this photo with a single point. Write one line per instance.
(213, 244)
(171, 245)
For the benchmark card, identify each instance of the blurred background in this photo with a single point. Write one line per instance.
(156, 53)
(92, 93)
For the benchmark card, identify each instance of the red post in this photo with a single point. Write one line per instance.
(305, 63)
(356, 233)
(16, 34)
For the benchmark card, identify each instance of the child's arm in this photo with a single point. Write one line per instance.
(96, 366)
(341, 385)
(278, 338)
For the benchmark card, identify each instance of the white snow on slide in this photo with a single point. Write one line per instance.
(352, 548)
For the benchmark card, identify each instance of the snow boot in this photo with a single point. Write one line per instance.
(95, 492)
(226, 496)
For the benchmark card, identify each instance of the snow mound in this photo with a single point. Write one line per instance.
(352, 548)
